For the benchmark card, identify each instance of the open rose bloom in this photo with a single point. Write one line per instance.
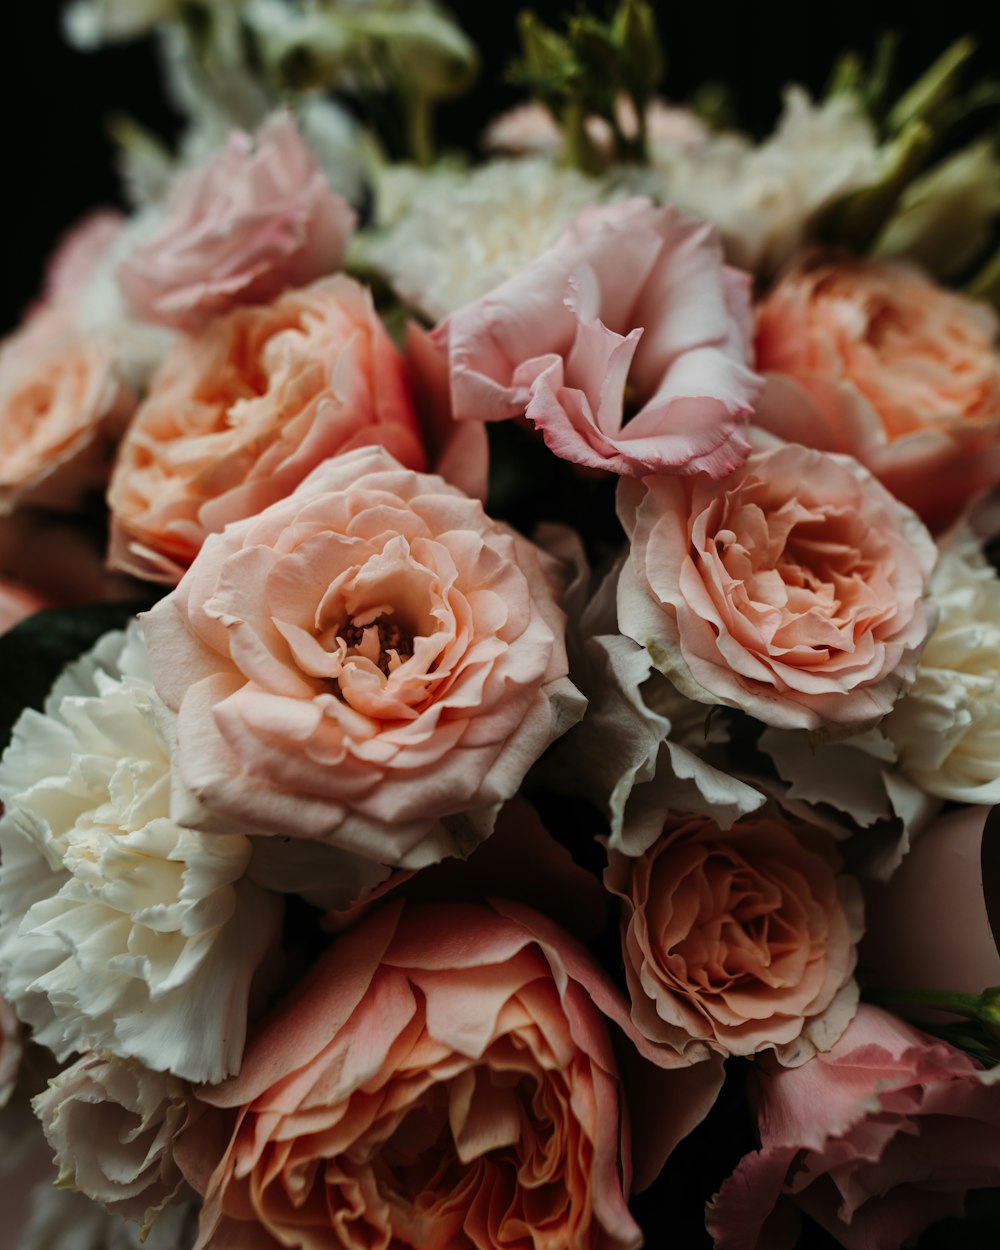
(877, 361)
(445, 1077)
(793, 590)
(361, 661)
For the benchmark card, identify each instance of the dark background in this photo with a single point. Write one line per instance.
(54, 100)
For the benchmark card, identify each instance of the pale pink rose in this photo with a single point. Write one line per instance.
(10, 1051)
(875, 1141)
(62, 409)
(360, 661)
(17, 603)
(443, 1077)
(631, 308)
(740, 940)
(257, 218)
(877, 361)
(793, 589)
(239, 415)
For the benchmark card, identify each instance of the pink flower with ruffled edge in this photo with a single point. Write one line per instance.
(632, 306)
(257, 218)
(443, 1077)
(875, 1140)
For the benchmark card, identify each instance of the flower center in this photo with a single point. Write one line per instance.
(382, 642)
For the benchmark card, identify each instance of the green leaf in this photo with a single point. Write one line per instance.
(35, 652)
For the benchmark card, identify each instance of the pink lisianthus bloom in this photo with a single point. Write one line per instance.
(875, 1141)
(793, 590)
(877, 361)
(631, 308)
(237, 416)
(443, 1078)
(257, 218)
(361, 661)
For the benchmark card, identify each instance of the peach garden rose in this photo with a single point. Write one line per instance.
(444, 1079)
(361, 661)
(877, 361)
(238, 416)
(793, 590)
(740, 940)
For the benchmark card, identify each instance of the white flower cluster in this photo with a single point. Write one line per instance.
(119, 929)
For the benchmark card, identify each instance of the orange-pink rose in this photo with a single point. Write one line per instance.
(238, 416)
(876, 361)
(875, 1141)
(443, 1079)
(257, 218)
(792, 590)
(62, 408)
(361, 661)
(740, 940)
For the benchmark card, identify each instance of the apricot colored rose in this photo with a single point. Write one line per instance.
(361, 661)
(237, 417)
(793, 589)
(443, 1079)
(877, 361)
(257, 218)
(739, 940)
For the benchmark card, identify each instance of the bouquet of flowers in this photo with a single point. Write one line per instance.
(502, 656)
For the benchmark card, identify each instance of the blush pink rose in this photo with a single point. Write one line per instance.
(239, 415)
(257, 218)
(63, 406)
(740, 940)
(877, 361)
(443, 1079)
(793, 590)
(362, 660)
(875, 1141)
(631, 309)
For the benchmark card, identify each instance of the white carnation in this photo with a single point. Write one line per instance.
(764, 198)
(946, 730)
(111, 1123)
(454, 235)
(120, 930)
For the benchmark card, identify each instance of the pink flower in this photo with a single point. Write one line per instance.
(78, 254)
(443, 1077)
(793, 590)
(63, 405)
(361, 660)
(876, 361)
(631, 307)
(739, 940)
(257, 218)
(239, 415)
(875, 1140)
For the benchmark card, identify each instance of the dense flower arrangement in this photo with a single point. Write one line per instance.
(502, 658)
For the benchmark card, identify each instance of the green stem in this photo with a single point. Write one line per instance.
(419, 131)
(956, 1004)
